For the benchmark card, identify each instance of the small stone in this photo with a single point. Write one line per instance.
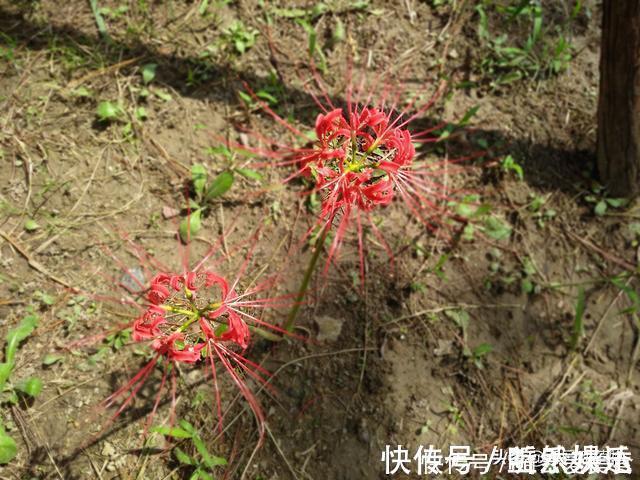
(168, 212)
(445, 347)
(453, 53)
(134, 279)
(108, 450)
(329, 328)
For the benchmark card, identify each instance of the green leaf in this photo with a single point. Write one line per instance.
(50, 359)
(183, 457)
(8, 448)
(162, 95)
(219, 185)
(31, 386)
(200, 474)
(107, 111)
(246, 98)
(249, 173)
(199, 178)
(264, 95)
(460, 317)
(338, 35)
(527, 285)
(31, 225)
(483, 24)
(12, 398)
(82, 92)
(510, 78)
(190, 226)
(600, 208)
(290, 12)
(578, 324)
(482, 350)
(45, 298)
(18, 334)
(102, 27)
(175, 432)
(465, 210)
(496, 228)
(202, 9)
(468, 232)
(149, 72)
(5, 373)
(221, 150)
(187, 426)
(209, 460)
(141, 113)
(468, 115)
(616, 202)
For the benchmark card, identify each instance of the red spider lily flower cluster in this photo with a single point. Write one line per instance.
(356, 159)
(199, 318)
(189, 312)
(364, 157)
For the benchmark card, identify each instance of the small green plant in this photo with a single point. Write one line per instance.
(109, 112)
(114, 13)
(456, 417)
(10, 391)
(7, 48)
(476, 355)
(540, 214)
(470, 208)
(527, 283)
(508, 57)
(439, 3)
(601, 202)
(496, 228)
(509, 164)
(148, 72)
(239, 36)
(205, 192)
(451, 128)
(591, 400)
(76, 309)
(315, 50)
(111, 344)
(201, 462)
(270, 92)
(30, 225)
(578, 320)
(634, 230)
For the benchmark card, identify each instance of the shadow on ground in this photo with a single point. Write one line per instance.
(547, 167)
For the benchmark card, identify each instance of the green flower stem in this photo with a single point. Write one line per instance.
(317, 246)
(186, 325)
(193, 314)
(272, 337)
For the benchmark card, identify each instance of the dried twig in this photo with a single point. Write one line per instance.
(33, 263)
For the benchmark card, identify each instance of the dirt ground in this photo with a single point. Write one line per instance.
(526, 338)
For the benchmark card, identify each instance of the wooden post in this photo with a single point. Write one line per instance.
(619, 102)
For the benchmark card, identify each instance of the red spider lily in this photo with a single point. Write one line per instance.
(198, 318)
(364, 157)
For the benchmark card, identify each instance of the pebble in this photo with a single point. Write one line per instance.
(108, 450)
(329, 328)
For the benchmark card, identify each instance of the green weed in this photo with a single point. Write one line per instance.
(544, 51)
(10, 391)
(201, 462)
